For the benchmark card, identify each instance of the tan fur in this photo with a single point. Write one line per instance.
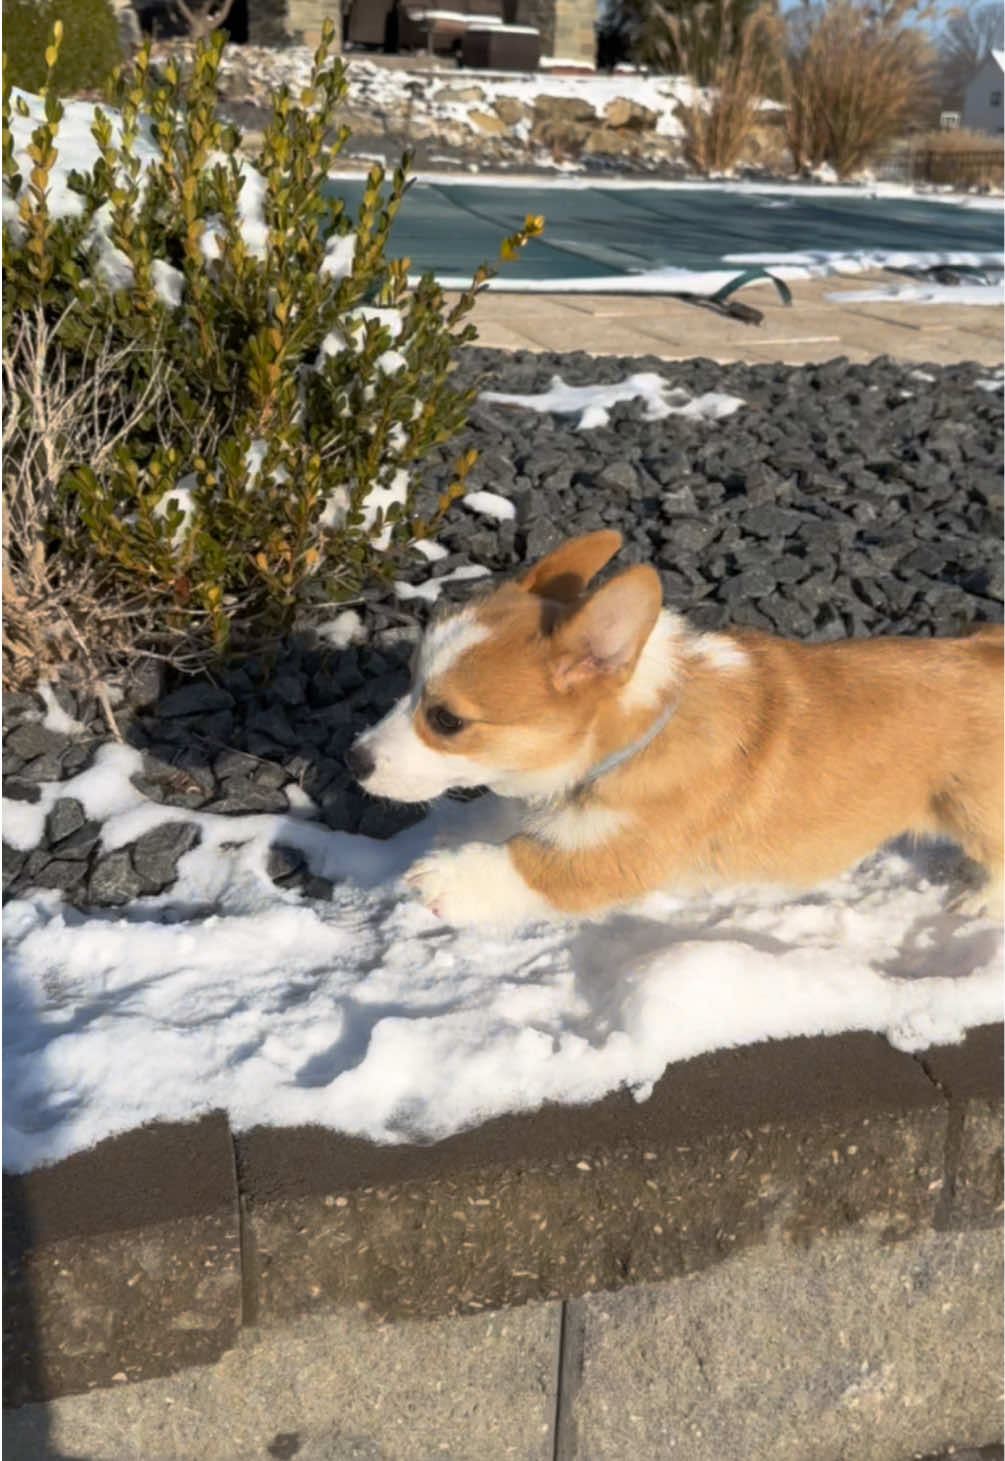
(788, 766)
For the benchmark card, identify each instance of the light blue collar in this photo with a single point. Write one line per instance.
(618, 758)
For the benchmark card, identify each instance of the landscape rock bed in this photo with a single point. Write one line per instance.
(840, 500)
(468, 120)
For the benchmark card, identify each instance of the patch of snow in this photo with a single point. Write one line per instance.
(490, 504)
(382, 497)
(346, 628)
(986, 295)
(430, 589)
(821, 262)
(169, 282)
(368, 1016)
(592, 403)
(181, 497)
(103, 790)
(56, 718)
(429, 549)
(391, 361)
(340, 252)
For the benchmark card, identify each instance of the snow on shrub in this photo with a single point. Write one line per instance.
(298, 374)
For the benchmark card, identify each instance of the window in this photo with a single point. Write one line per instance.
(996, 99)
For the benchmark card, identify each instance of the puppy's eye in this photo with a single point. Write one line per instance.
(443, 721)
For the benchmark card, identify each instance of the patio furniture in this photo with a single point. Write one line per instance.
(370, 23)
(501, 47)
(422, 28)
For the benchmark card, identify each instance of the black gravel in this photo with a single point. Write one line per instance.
(841, 500)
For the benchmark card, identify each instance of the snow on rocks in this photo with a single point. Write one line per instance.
(490, 504)
(592, 403)
(431, 589)
(508, 118)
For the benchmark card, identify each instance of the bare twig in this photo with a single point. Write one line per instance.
(203, 16)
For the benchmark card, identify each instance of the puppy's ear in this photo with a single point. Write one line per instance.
(603, 639)
(564, 574)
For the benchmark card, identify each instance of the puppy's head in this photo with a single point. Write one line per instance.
(505, 691)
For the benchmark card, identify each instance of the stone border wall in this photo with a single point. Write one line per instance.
(149, 1252)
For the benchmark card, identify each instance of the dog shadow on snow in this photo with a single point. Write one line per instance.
(608, 956)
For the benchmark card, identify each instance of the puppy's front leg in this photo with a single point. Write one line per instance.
(478, 883)
(528, 878)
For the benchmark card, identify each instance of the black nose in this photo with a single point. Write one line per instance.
(360, 761)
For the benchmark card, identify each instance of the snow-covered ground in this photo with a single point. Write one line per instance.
(369, 1016)
(592, 404)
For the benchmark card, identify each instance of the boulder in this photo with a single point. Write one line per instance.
(511, 111)
(459, 94)
(487, 122)
(564, 109)
(621, 112)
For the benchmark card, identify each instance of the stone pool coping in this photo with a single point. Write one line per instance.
(149, 1252)
(817, 327)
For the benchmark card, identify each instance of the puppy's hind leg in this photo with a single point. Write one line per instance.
(975, 822)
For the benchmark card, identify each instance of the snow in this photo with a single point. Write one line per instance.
(368, 1016)
(180, 497)
(429, 549)
(592, 403)
(430, 589)
(346, 628)
(988, 295)
(56, 718)
(838, 261)
(490, 504)
(801, 264)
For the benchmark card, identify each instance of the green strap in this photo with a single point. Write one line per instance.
(747, 277)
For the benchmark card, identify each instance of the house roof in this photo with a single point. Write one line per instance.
(999, 56)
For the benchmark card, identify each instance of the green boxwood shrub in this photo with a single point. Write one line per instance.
(91, 46)
(298, 375)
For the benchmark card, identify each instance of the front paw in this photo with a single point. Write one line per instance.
(476, 884)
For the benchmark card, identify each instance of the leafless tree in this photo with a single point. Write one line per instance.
(970, 33)
(202, 16)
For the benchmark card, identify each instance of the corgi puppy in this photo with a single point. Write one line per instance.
(652, 756)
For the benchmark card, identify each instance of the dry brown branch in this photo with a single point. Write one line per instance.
(59, 605)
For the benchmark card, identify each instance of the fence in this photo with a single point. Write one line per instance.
(958, 168)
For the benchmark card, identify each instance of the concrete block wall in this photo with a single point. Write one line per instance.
(574, 35)
(566, 27)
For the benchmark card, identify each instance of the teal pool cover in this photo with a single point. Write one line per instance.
(597, 232)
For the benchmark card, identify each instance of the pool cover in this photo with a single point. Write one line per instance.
(597, 232)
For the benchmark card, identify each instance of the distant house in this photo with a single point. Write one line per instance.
(983, 109)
